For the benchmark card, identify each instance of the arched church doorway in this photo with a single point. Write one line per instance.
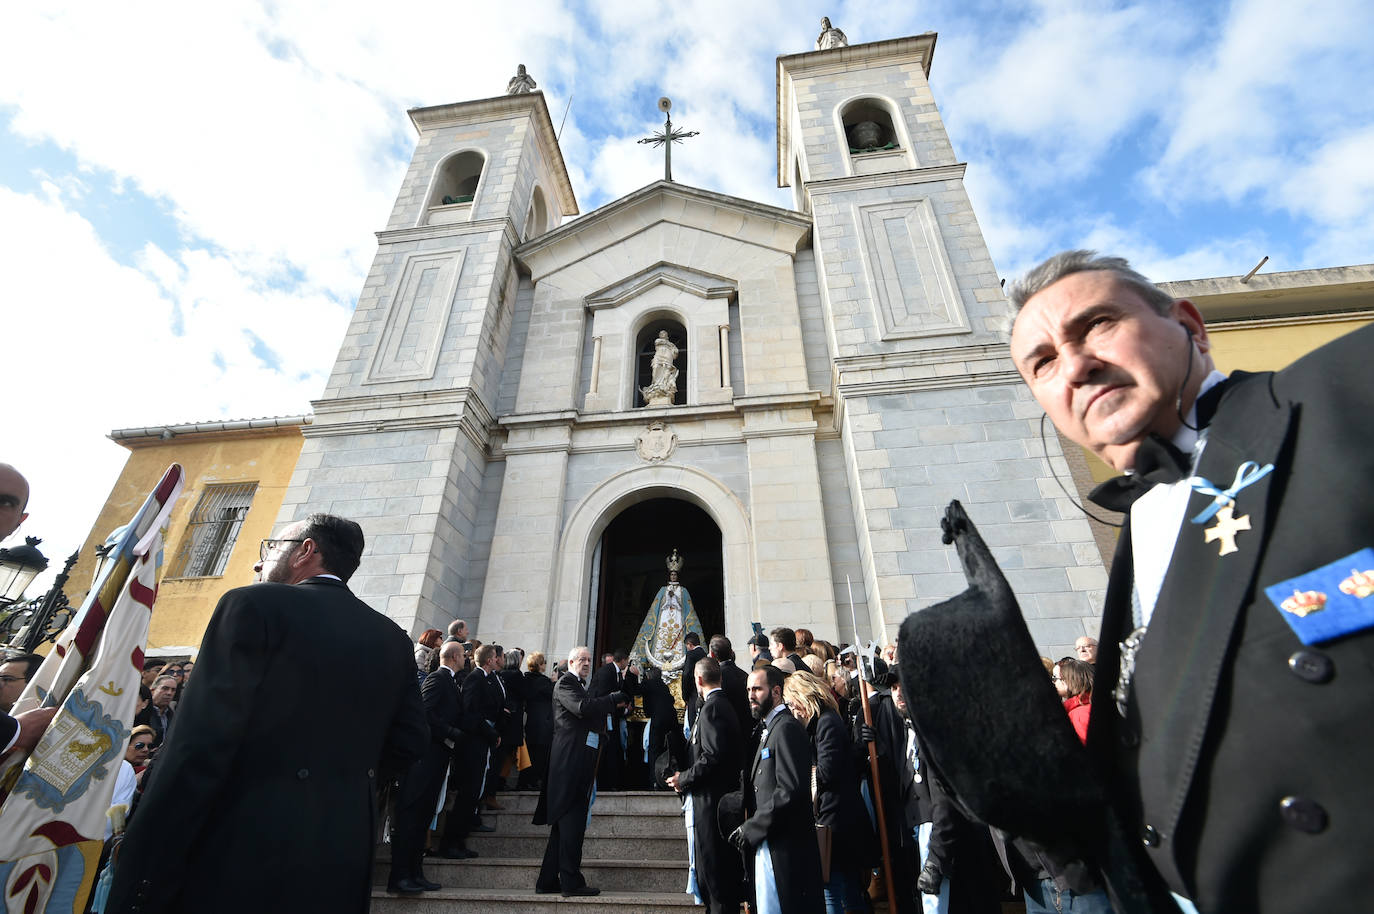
(632, 566)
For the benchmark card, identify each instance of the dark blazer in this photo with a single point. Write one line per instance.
(149, 717)
(483, 712)
(777, 795)
(270, 793)
(572, 761)
(8, 728)
(538, 709)
(1242, 762)
(689, 681)
(735, 683)
(513, 726)
(605, 681)
(714, 772)
(839, 803)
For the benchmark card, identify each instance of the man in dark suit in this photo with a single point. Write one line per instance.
(692, 656)
(734, 682)
(419, 791)
(1233, 682)
(159, 713)
(714, 772)
(783, 643)
(780, 833)
(271, 805)
(482, 709)
(616, 676)
(579, 729)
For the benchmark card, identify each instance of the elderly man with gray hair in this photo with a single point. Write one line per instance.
(1237, 643)
(579, 727)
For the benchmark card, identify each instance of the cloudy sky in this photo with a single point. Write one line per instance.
(189, 191)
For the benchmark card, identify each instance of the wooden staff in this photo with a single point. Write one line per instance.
(878, 797)
(873, 759)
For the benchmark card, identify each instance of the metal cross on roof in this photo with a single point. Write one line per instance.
(668, 137)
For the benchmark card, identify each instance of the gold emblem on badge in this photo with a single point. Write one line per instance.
(1304, 602)
(1359, 584)
(1226, 528)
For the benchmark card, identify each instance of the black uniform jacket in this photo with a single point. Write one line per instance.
(1243, 763)
(714, 772)
(266, 793)
(777, 795)
(572, 760)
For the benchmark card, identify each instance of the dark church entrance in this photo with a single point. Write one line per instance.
(633, 566)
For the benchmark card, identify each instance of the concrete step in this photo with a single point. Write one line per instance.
(505, 901)
(604, 824)
(639, 802)
(500, 846)
(653, 876)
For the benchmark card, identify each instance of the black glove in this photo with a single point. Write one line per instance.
(738, 840)
(620, 698)
(867, 734)
(931, 877)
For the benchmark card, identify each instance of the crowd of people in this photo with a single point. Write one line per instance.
(1227, 749)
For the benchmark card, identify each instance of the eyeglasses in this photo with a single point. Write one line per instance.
(8, 679)
(268, 545)
(143, 745)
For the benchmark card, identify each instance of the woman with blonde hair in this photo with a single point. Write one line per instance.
(835, 789)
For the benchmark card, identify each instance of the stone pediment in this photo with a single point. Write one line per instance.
(741, 221)
(686, 279)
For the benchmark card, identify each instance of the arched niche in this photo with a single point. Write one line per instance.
(537, 216)
(454, 188)
(570, 613)
(646, 346)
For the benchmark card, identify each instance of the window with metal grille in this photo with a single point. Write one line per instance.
(213, 529)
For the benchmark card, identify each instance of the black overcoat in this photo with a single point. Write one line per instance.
(265, 797)
(839, 803)
(777, 795)
(572, 760)
(714, 772)
(1243, 763)
(538, 709)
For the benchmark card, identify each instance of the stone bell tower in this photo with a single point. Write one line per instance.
(400, 435)
(927, 401)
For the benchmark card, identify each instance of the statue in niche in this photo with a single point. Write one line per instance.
(521, 82)
(670, 617)
(663, 373)
(830, 37)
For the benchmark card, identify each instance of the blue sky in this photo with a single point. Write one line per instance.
(188, 192)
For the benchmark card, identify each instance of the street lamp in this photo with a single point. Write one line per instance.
(18, 568)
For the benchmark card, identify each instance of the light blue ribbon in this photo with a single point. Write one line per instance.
(1247, 474)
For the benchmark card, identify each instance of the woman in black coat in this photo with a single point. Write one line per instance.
(513, 726)
(538, 691)
(838, 802)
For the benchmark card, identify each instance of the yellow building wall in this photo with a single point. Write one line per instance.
(1260, 347)
(184, 605)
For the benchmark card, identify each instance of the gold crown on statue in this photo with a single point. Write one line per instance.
(1359, 584)
(1305, 602)
(675, 561)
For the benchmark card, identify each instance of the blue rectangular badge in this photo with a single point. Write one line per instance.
(593, 740)
(1330, 601)
(766, 753)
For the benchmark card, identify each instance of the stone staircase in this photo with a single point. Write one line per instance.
(635, 852)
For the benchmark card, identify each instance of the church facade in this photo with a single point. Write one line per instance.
(496, 418)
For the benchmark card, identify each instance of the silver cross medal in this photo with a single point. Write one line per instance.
(1226, 528)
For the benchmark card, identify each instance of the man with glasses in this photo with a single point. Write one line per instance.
(15, 673)
(271, 782)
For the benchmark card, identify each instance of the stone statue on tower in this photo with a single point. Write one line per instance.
(830, 37)
(670, 617)
(663, 374)
(521, 82)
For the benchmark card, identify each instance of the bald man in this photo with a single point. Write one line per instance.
(14, 499)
